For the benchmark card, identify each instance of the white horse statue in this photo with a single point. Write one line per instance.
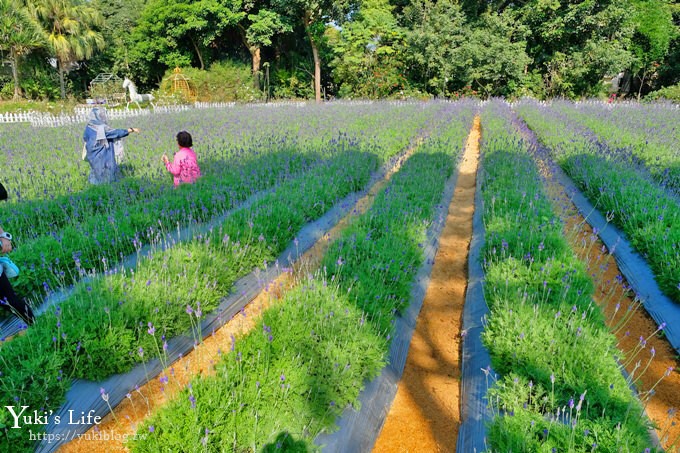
(136, 97)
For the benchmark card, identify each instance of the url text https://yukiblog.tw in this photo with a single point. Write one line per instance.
(22, 416)
(73, 434)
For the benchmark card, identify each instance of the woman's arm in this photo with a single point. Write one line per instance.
(174, 166)
(115, 134)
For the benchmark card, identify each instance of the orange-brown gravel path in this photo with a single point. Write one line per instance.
(425, 414)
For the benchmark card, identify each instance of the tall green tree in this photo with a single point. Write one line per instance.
(367, 52)
(314, 16)
(71, 29)
(654, 32)
(669, 71)
(437, 33)
(493, 57)
(19, 34)
(120, 18)
(260, 24)
(448, 53)
(176, 32)
(575, 43)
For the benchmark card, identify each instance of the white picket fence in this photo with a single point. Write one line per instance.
(81, 114)
(22, 117)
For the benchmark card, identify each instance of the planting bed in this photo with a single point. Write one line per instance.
(61, 238)
(643, 135)
(328, 384)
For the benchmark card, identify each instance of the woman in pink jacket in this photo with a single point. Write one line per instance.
(184, 166)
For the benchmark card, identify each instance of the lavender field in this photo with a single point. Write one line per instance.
(267, 172)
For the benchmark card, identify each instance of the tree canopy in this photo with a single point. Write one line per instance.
(350, 48)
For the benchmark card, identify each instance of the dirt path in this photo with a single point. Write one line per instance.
(200, 361)
(425, 414)
(627, 319)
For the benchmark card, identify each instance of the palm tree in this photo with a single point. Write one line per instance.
(19, 34)
(70, 29)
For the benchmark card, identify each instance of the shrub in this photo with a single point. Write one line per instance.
(671, 93)
(295, 83)
(223, 82)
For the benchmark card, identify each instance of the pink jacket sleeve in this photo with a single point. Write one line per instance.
(174, 167)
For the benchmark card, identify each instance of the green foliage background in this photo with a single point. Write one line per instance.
(367, 48)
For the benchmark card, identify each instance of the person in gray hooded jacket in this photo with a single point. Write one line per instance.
(99, 148)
